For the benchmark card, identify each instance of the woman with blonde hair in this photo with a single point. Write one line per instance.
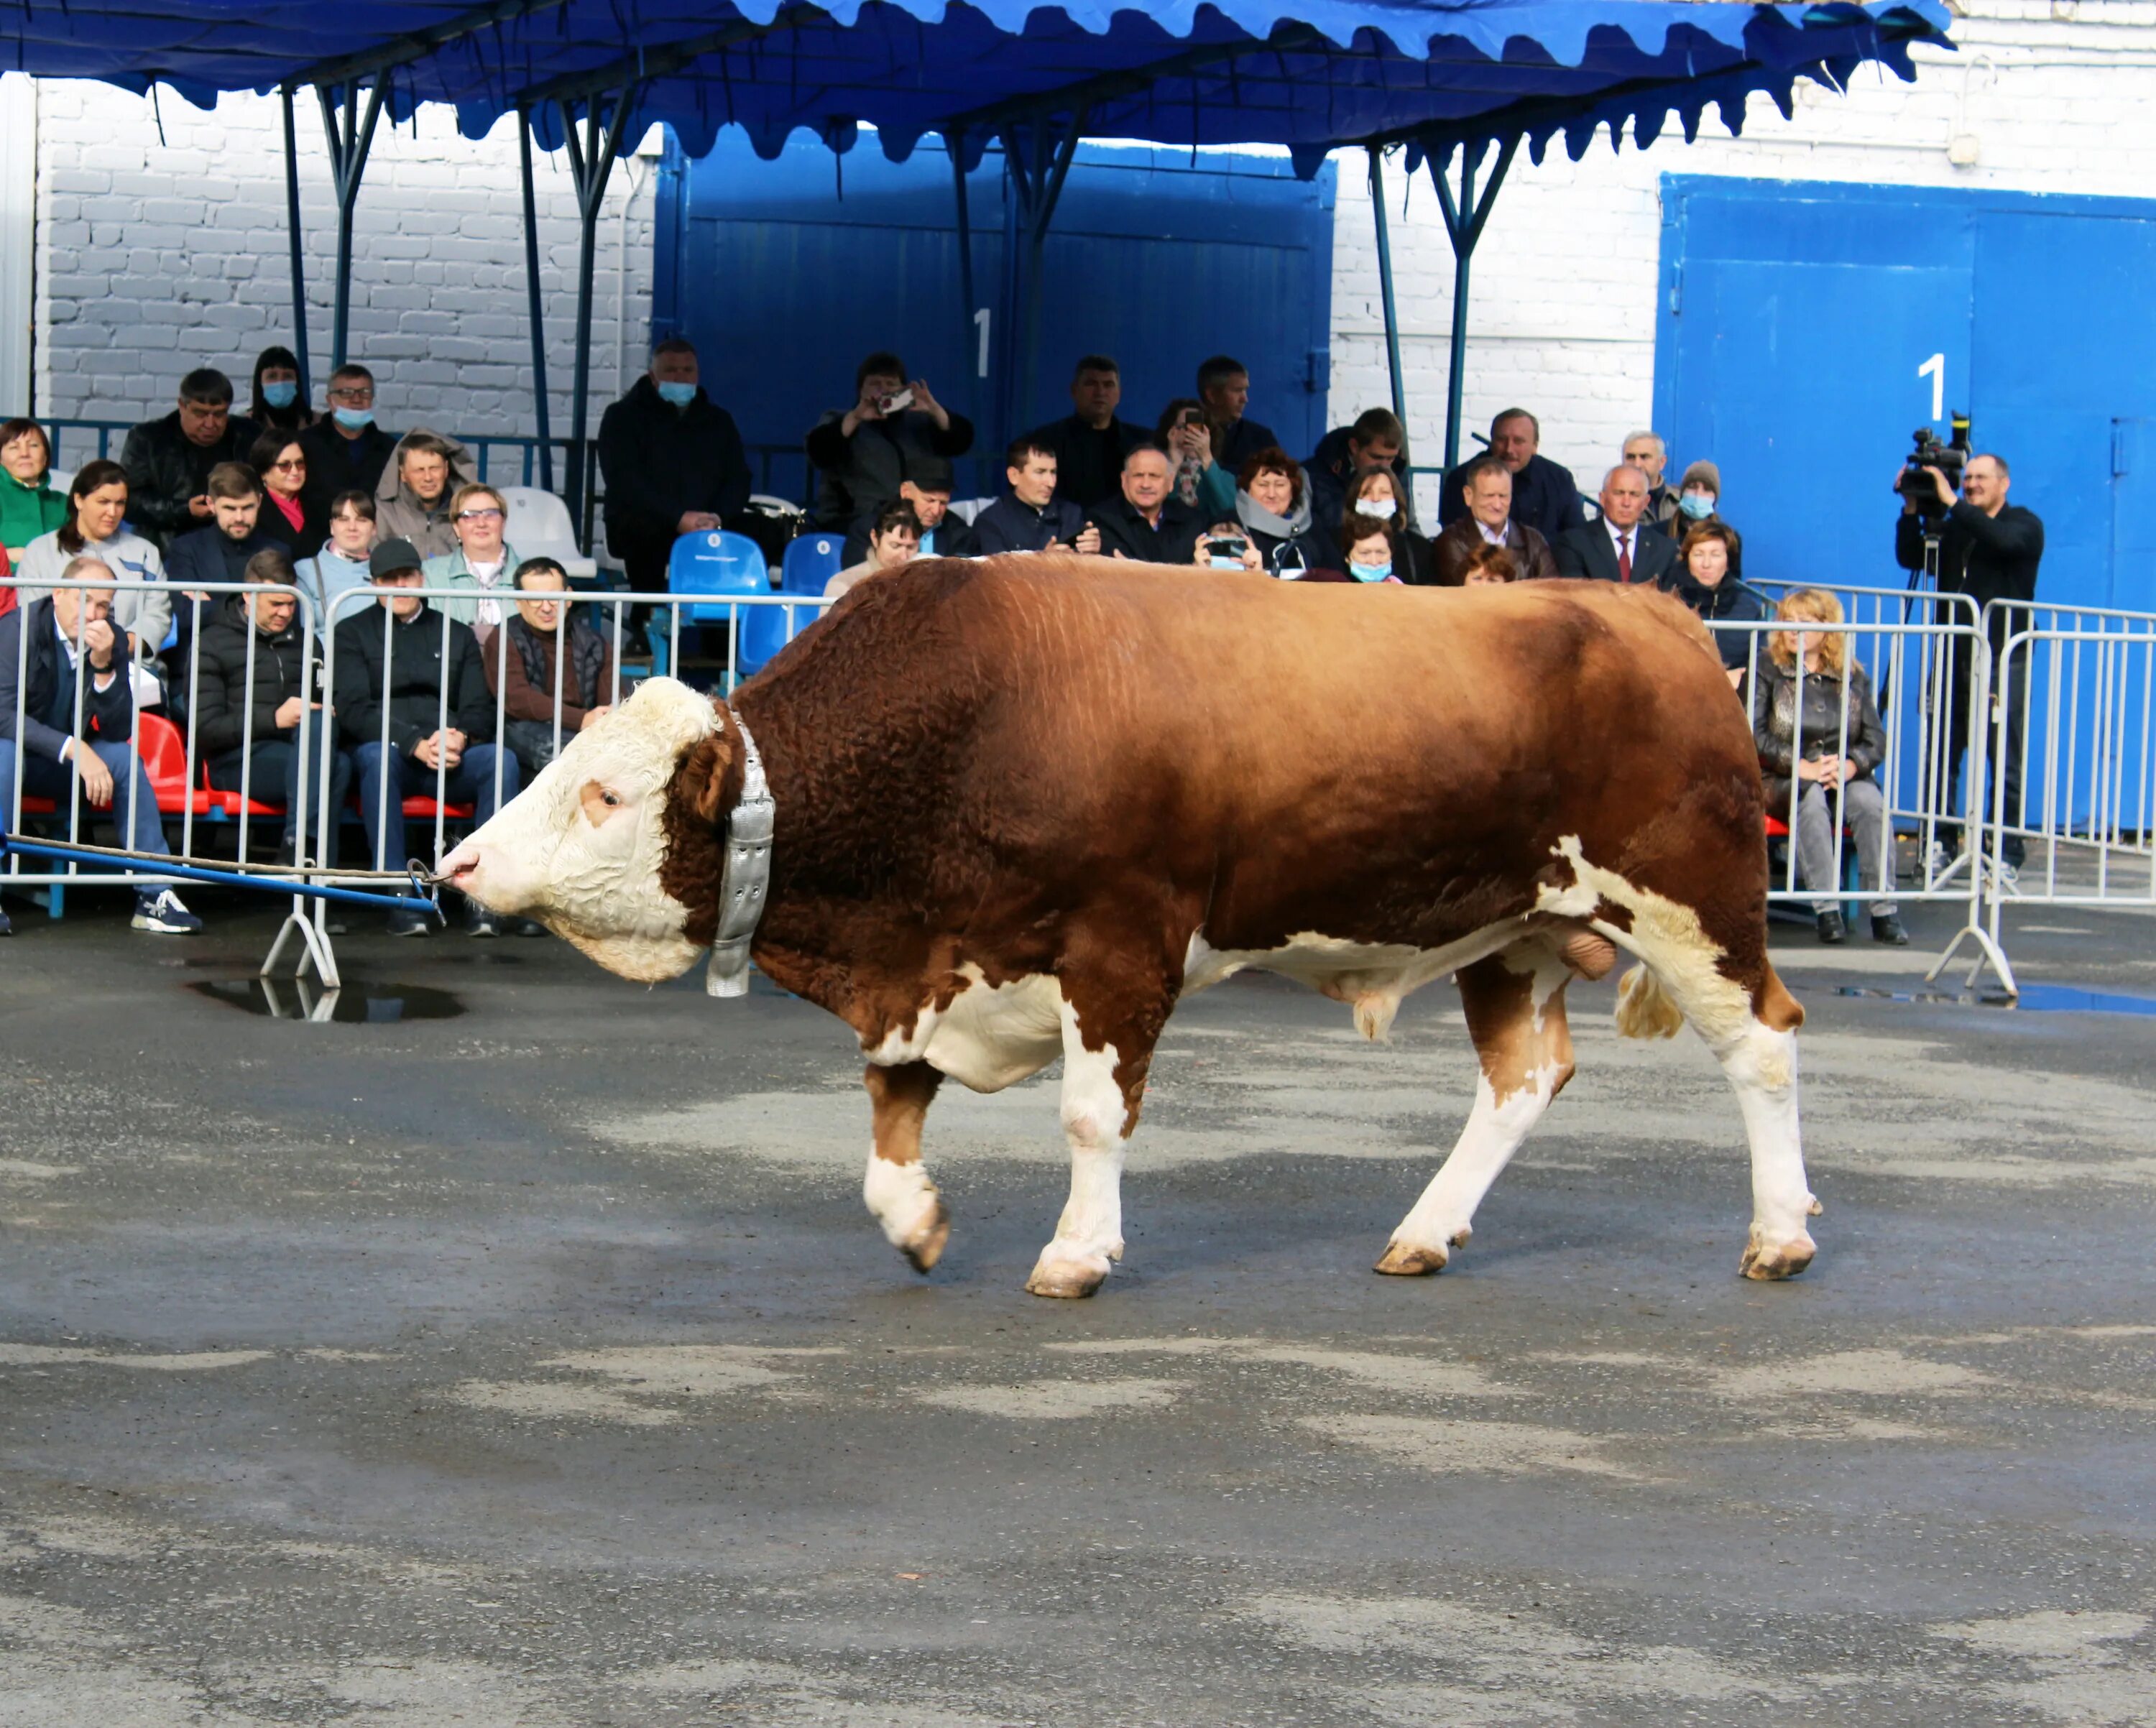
(1818, 732)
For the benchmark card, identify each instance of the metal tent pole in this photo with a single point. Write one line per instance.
(1385, 284)
(349, 142)
(590, 165)
(1037, 160)
(535, 315)
(1464, 230)
(299, 260)
(968, 340)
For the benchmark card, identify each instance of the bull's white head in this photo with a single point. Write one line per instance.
(616, 846)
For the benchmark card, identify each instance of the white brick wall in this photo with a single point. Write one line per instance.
(153, 257)
(2060, 95)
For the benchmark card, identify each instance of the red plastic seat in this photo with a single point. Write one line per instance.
(425, 806)
(1777, 829)
(164, 760)
(231, 803)
(39, 807)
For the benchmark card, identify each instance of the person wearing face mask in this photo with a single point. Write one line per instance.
(1379, 493)
(1346, 453)
(346, 450)
(1368, 545)
(1699, 498)
(673, 463)
(276, 406)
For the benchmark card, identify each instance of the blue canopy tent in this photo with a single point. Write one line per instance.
(1433, 77)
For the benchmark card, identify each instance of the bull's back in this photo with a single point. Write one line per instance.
(1283, 749)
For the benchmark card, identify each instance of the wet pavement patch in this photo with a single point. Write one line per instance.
(353, 1004)
(2034, 998)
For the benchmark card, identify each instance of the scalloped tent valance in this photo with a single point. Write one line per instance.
(1311, 77)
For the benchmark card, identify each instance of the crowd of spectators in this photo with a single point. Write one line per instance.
(324, 502)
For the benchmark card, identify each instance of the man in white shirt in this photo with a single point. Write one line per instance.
(1487, 487)
(1621, 547)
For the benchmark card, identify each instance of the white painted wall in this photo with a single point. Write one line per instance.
(153, 257)
(19, 209)
(2057, 95)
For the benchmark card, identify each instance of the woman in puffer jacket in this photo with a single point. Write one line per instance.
(1813, 718)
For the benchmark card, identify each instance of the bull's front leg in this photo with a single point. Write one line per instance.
(1101, 1087)
(897, 1188)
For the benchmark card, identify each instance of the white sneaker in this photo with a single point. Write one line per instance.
(1936, 861)
(163, 913)
(2005, 879)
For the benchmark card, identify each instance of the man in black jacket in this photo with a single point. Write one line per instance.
(259, 740)
(1988, 550)
(456, 762)
(78, 715)
(1345, 454)
(218, 552)
(1545, 496)
(168, 460)
(346, 450)
(1144, 522)
(1029, 517)
(1224, 388)
(894, 430)
(1089, 446)
(1621, 547)
(673, 463)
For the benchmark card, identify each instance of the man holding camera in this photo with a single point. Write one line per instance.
(895, 431)
(1988, 550)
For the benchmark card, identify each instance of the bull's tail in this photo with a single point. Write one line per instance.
(1643, 1008)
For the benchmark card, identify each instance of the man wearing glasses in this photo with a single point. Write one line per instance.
(346, 450)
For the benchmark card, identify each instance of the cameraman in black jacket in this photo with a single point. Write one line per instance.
(1988, 550)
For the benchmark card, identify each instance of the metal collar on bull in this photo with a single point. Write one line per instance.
(746, 877)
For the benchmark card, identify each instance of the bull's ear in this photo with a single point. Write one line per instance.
(701, 784)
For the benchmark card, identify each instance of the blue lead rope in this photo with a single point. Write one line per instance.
(154, 864)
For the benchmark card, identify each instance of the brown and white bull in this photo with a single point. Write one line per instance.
(1025, 805)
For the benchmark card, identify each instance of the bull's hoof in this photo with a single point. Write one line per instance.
(925, 1247)
(1067, 1277)
(1402, 1260)
(1784, 1259)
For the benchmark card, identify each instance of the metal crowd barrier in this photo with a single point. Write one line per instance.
(1908, 667)
(176, 770)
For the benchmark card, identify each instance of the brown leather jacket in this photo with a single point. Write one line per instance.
(1458, 544)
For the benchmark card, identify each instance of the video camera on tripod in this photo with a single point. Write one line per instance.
(1949, 457)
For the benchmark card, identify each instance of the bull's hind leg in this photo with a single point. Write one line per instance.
(1515, 1003)
(897, 1188)
(1753, 1035)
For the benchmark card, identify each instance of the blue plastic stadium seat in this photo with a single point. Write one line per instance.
(810, 561)
(716, 563)
(766, 629)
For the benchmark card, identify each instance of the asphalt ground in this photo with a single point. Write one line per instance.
(538, 1365)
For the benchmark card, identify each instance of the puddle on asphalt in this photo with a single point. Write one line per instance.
(2037, 998)
(355, 1004)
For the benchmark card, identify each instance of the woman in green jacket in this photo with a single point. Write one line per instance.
(29, 506)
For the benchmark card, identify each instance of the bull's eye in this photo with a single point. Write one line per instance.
(600, 802)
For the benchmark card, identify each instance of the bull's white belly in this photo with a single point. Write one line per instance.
(1373, 977)
(990, 1037)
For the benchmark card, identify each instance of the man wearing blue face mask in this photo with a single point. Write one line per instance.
(673, 463)
(346, 450)
(1699, 500)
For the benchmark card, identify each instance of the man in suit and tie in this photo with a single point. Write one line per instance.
(1621, 547)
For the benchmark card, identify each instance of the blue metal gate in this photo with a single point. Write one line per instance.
(785, 273)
